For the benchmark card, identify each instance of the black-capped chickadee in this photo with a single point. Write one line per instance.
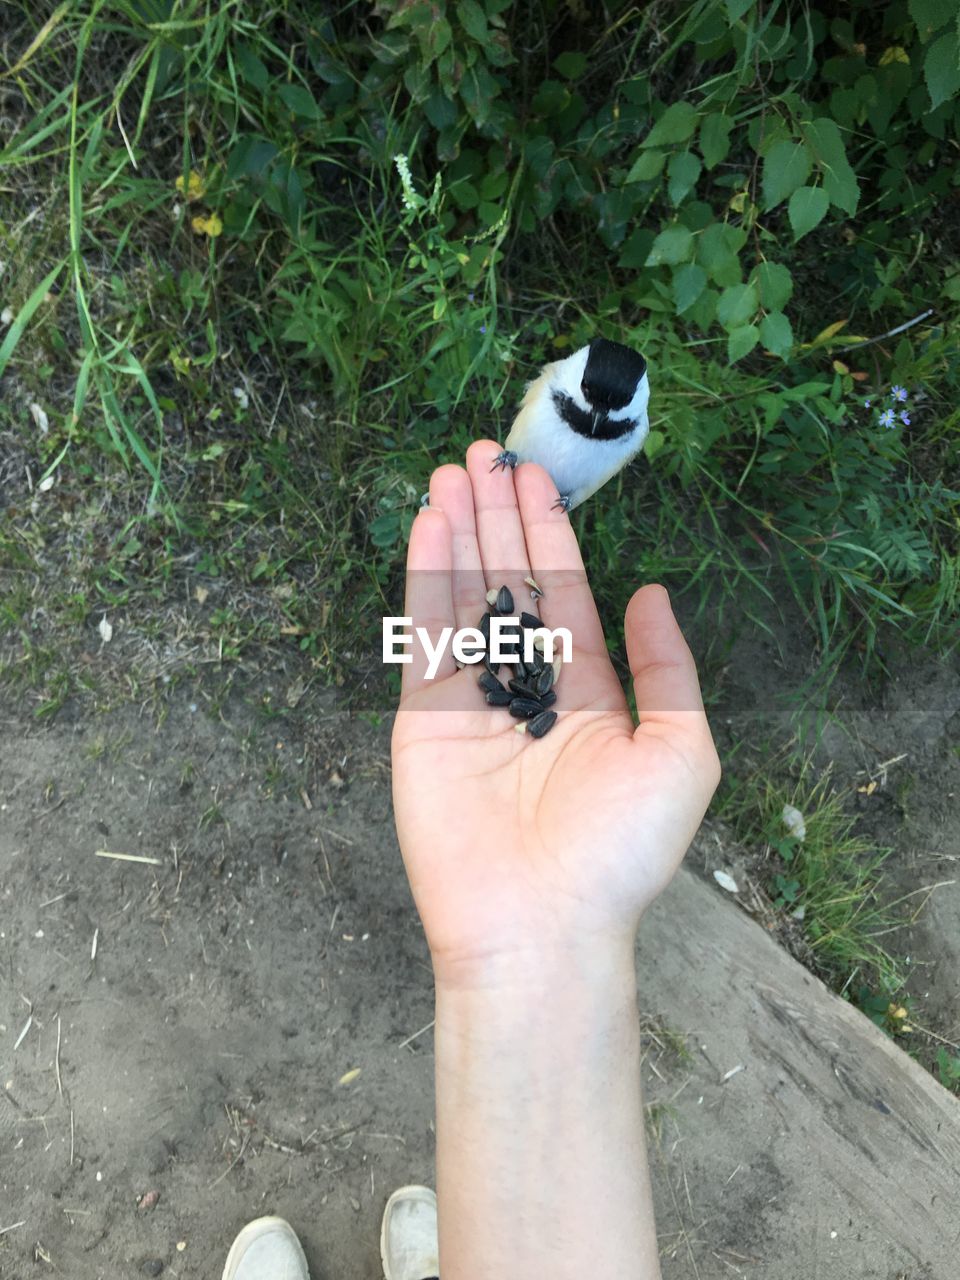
(582, 419)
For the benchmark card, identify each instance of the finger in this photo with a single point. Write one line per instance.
(555, 560)
(451, 491)
(664, 674)
(503, 551)
(428, 599)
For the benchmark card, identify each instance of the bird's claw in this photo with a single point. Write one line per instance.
(505, 458)
(563, 501)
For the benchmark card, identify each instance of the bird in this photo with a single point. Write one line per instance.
(582, 419)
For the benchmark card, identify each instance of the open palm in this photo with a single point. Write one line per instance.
(515, 846)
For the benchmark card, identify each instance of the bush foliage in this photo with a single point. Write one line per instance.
(410, 208)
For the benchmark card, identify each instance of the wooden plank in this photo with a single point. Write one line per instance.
(827, 1153)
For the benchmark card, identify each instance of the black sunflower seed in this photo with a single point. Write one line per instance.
(490, 684)
(499, 698)
(545, 680)
(541, 724)
(483, 626)
(548, 699)
(528, 621)
(492, 667)
(522, 690)
(505, 601)
(525, 708)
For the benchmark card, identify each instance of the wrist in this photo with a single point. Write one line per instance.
(588, 964)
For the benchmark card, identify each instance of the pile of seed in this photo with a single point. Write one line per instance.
(529, 693)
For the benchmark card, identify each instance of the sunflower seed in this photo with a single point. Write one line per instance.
(499, 698)
(522, 690)
(483, 626)
(529, 621)
(545, 680)
(535, 591)
(521, 726)
(541, 724)
(548, 699)
(538, 643)
(525, 708)
(492, 667)
(505, 601)
(490, 683)
(492, 597)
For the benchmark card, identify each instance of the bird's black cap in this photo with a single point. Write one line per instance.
(612, 374)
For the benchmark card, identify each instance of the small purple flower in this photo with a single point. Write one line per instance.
(483, 328)
(905, 418)
(470, 297)
(886, 418)
(899, 393)
(866, 404)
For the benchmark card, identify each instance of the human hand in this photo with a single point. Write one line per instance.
(519, 850)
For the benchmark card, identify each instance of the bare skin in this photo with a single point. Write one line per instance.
(531, 864)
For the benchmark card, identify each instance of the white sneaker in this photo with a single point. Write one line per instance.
(409, 1248)
(266, 1249)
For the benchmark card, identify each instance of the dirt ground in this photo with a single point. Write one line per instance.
(241, 1024)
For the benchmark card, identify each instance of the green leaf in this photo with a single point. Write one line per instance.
(473, 19)
(683, 171)
(839, 180)
(776, 285)
(571, 65)
(807, 208)
(439, 110)
(715, 139)
(689, 281)
(737, 8)
(741, 341)
(941, 69)
(252, 69)
(717, 251)
(675, 125)
(785, 167)
(654, 443)
(928, 16)
(672, 245)
(776, 334)
(647, 166)
(300, 101)
(737, 305)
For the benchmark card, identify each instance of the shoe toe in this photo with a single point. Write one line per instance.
(267, 1249)
(408, 1240)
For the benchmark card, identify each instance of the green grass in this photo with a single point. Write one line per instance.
(827, 886)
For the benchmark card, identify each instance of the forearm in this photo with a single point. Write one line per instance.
(541, 1157)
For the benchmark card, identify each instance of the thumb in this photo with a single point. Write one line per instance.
(664, 674)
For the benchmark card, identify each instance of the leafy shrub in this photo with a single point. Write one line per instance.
(744, 191)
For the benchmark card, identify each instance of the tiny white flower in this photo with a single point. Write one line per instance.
(6, 316)
(241, 397)
(46, 484)
(105, 629)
